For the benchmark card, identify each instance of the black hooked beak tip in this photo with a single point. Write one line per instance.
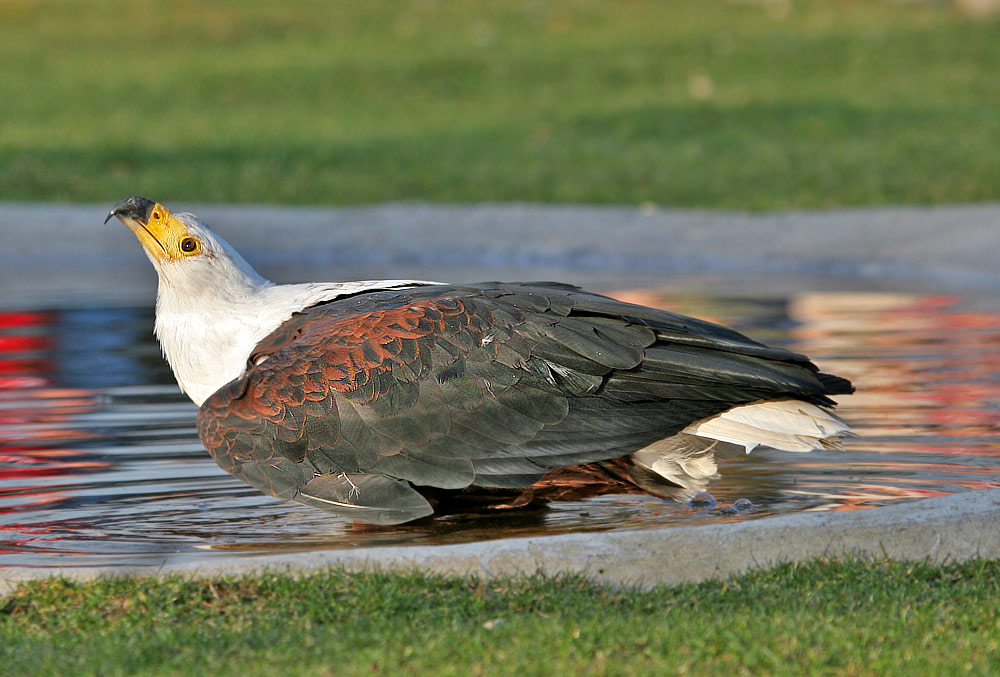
(135, 208)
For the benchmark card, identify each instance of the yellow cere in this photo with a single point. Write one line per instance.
(164, 236)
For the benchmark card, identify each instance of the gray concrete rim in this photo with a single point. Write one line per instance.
(949, 528)
(52, 250)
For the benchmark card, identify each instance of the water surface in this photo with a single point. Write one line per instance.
(100, 463)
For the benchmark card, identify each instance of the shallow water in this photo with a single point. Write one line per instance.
(100, 463)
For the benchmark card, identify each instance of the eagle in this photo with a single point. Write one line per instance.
(387, 401)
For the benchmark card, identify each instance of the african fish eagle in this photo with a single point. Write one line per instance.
(386, 401)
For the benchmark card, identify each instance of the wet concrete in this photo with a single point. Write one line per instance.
(52, 251)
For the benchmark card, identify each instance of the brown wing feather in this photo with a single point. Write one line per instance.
(489, 385)
(286, 406)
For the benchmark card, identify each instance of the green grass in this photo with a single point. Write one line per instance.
(687, 102)
(820, 618)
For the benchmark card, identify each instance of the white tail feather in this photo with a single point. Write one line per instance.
(787, 424)
(683, 460)
(687, 459)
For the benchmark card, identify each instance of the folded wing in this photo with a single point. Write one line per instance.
(356, 404)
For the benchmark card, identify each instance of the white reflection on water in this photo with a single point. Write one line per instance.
(100, 462)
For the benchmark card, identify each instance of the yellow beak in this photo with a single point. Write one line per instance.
(156, 228)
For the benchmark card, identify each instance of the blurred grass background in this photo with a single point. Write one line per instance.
(758, 105)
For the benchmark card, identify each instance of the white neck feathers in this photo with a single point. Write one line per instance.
(212, 308)
(207, 334)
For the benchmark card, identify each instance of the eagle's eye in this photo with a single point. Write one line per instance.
(189, 245)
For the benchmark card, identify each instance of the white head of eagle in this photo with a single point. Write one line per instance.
(212, 307)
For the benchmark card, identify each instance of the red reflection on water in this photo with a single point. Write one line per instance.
(952, 380)
(21, 334)
(37, 423)
(922, 365)
(10, 319)
(23, 344)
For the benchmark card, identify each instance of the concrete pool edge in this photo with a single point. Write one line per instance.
(949, 528)
(53, 250)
